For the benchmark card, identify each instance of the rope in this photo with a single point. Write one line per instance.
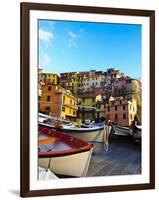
(106, 138)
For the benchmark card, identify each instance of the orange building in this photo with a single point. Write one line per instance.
(58, 102)
(118, 110)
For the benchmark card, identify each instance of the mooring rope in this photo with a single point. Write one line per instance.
(106, 137)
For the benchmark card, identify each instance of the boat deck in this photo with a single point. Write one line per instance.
(122, 158)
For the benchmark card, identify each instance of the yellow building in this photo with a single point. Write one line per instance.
(87, 108)
(69, 81)
(58, 102)
(51, 78)
(69, 108)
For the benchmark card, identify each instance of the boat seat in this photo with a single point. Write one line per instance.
(48, 140)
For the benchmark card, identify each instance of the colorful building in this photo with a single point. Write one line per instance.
(93, 81)
(88, 81)
(41, 81)
(51, 78)
(112, 74)
(118, 110)
(130, 89)
(58, 102)
(86, 109)
(111, 85)
(126, 86)
(69, 81)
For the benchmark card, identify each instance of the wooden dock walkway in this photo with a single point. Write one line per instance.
(122, 158)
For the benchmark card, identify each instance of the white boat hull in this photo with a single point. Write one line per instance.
(86, 134)
(44, 174)
(93, 136)
(121, 131)
(70, 165)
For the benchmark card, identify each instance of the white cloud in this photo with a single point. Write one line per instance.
(72, 39)
(72, 35)
(45, 36)
(45, 59)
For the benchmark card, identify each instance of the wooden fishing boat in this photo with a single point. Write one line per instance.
(89, 134)
(136, 131)
(63, 154)
(46, 174)
(121, 131)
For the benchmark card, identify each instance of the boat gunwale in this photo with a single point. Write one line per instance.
(73, 150)
(122, 127)
(74, 129)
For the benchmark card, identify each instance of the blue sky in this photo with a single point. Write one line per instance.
(81, 46)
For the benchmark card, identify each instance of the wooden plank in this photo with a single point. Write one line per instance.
(123, 157)
(134, 167)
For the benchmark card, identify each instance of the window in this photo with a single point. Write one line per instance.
(130, 107)
(124, 116)
(116, 116)
(123, 107)
(63, 108)
(120, 102)
(48, 98)
(71, 102)
(130, 116)
(74, 112)
(116, 108)
(108, 109)
(49, 88)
